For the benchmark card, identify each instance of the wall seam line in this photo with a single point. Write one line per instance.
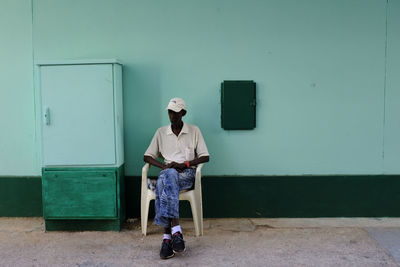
(384, 88)
(34, 91)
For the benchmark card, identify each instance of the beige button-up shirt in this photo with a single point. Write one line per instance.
(188, 145)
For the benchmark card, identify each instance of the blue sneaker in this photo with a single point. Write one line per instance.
(166, 251)
(178, 244)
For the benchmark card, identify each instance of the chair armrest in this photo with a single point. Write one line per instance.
(198, 176)
(145, 170)
(199, 167)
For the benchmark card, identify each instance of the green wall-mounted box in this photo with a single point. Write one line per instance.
(238, 105)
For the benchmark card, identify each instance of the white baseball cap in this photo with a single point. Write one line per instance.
(176, 104)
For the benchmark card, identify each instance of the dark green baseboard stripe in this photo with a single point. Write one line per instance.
(20, 196)
(303, 196)
(245, 196)
(290, 196)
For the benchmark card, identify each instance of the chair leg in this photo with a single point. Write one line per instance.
(200, 212)
(144, 213)
(195, 212)
(200, 209)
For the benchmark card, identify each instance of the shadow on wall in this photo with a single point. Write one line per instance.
(142, 101)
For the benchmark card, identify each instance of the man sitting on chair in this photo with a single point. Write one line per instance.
(182, 146)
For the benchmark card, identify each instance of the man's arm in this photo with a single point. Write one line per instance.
(178, 166)
(154, 162)
(200, 160)
(182, 166)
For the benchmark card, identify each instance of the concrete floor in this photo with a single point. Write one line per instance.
(226, 242)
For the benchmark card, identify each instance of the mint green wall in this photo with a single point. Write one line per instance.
(319, 65)
(17, 134)
(392, 114)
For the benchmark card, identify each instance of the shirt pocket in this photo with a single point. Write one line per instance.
(189, 153)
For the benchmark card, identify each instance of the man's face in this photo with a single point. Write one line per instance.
(175, 117)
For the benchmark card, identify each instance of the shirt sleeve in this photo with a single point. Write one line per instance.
(153, 150)
(201, 148)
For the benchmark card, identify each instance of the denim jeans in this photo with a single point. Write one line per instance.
(169, 183)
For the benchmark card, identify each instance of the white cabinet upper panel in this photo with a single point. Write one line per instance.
(77, 114)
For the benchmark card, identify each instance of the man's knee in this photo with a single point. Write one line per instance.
(171, 172)
(159, 183)
(168, 176)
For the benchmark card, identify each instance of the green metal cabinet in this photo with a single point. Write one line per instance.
(78, 194)
(82, 144)
(238, 105)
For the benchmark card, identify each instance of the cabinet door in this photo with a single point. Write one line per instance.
(79, 194)
(78, 101)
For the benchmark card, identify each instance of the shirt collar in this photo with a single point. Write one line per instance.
(185, 129)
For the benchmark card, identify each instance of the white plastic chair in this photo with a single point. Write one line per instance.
(193, 196)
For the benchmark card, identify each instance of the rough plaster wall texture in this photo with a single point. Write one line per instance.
(17, 135)
(319, 68)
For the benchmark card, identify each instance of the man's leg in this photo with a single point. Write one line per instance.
(186, 180)
(167, 197)
(167, 206)
(174, 222)
(169, 183)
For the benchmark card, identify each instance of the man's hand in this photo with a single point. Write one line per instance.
(178, 166)
(174, 165)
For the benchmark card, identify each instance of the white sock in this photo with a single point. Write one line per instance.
(167, 236)
(176, 229)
